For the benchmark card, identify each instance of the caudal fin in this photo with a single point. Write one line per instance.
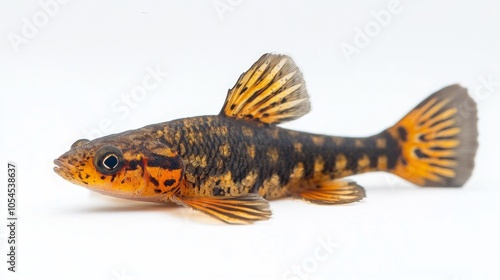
(438, 139)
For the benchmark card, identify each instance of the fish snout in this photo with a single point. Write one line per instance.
(61, 168)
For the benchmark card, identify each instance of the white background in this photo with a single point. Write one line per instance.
(68, 76)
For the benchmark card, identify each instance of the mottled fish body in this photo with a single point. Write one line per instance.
(229, 165)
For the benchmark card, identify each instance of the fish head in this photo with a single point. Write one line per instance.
(123, 167)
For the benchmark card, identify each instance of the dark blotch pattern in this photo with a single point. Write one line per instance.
(165, 162)
(201, 137)
(169, 182)
(218, 191)
(154, 181)
(421, 154)
(403, 134)
(132, 165)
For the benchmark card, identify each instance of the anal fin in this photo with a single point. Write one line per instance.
(232, 210)
(333, 192)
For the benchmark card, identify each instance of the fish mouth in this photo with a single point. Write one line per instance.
(60, 167)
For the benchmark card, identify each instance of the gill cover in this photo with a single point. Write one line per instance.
(163, 169)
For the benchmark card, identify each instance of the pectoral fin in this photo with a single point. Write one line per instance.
(333, 192)
(232, 210)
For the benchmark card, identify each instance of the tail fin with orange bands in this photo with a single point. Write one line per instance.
(438, 139)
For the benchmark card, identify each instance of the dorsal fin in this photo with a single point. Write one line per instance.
(271, 91)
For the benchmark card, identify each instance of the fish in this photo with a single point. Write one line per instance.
(231, 164)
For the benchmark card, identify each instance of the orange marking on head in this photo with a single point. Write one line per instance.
(164, 181)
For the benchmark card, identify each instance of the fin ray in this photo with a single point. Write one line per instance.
(438, 139)
(333, 192)
(434, 109)
(232, 210)
(447, 132)
(272, 91)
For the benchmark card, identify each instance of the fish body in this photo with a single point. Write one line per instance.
(229, 157)
(229, 165)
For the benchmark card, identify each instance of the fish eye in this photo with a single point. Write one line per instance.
(108, 160)
(79, 142)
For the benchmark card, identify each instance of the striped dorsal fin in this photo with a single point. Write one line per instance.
(272, 91)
